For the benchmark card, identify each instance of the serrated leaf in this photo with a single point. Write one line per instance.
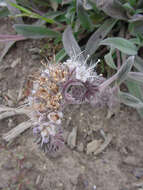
(35, 32)
(70, 45)
(130, 100)
(122, 44)
(95, 39)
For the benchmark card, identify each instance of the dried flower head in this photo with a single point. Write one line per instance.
(49, 137)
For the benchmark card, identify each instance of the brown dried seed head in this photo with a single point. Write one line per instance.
(41, 107)
(54, 117)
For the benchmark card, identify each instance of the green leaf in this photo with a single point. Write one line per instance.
(124, 70)
(109, 60)
(4, 12)
(136, 90)
(136, 76)
(83, 16)
(71, 46)
(122, 44)
(120, 76)
(139, 63)
(95, 39)
(60, 55)
(130, 100)
(129, 8)
(35, 32)
(31, 14)
(113, 8)
(13, 10)
(20, 8)
(136, 27)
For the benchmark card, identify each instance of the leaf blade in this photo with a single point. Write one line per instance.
(99, 35)
(122, 44)
(70, 45)
(130, 100)
(35, 32)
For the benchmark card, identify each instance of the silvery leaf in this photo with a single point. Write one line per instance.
(70, 45)
(130, 100)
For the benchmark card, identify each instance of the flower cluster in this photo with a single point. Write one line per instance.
(73, 82)
(46, 103)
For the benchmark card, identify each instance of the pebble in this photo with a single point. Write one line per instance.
(16, 62)
(71, 141)
(39, 180)
(93, 146)
(59, 186)
(11, 123)
(27, 165)
(131, 160)
(80, 147)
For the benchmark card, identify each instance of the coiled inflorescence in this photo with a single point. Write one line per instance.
(73, 82)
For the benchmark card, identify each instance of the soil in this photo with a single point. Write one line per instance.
(25, 167)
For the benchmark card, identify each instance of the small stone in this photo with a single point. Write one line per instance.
(71, 141)
(93, 146)
(16, 62)
(27, 165)
(132, 160)
(39, 180)
(11, 123)
(59, 185)
(80, 147)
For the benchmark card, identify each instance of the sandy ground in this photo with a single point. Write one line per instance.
(25, 167)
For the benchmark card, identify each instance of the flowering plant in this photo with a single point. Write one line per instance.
(71, 82)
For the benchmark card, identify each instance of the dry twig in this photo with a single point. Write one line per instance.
(17, 131)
